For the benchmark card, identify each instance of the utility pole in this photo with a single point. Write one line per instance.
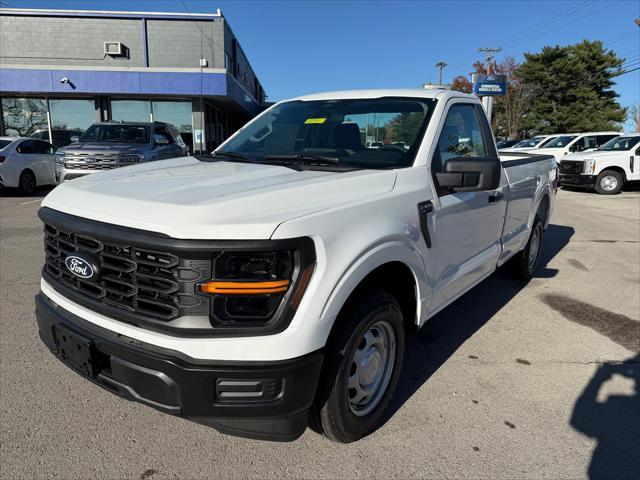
(487, 100)
(441, 64)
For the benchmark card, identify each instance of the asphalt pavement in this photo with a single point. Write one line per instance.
(512, 381)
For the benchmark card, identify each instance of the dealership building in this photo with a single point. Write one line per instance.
(62, 70)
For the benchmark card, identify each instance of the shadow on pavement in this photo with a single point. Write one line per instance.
(614, 423)
(428, 349)
(13, 192)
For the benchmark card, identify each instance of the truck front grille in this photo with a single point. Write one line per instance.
(571, 166)
(99, 161)
(141, 282)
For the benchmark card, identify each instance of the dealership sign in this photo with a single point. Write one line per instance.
(489, 84)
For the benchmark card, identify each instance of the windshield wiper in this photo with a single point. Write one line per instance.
(305, 158)
(238, 157)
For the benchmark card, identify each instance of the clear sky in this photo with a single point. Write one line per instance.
(298, 47)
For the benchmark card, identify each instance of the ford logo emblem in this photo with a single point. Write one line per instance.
(82, 266)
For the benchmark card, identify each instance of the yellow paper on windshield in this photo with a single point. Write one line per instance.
(309, 121)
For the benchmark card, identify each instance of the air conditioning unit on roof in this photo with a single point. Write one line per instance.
(112, 48)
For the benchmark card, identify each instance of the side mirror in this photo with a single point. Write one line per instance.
(160, 140)
(74, 138)
(463, 174)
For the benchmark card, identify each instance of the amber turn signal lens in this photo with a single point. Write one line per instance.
(245, 288)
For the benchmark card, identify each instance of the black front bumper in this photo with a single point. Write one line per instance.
(265, 400)
(577, 180)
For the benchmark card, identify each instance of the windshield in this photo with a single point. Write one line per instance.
(361, 133)
(116, 133)
(621, 143)
(561, 141)
(531, 142)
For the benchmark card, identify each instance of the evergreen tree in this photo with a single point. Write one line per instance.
(568, 89)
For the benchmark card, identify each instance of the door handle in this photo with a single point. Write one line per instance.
(495, 196)
(424, 209)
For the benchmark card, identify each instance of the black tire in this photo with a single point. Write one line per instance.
(27, 183)
(522, 265)
(332, 412)
(609, 182)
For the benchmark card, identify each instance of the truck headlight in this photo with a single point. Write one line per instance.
(59, 158)
(589, 166)
(258, 289)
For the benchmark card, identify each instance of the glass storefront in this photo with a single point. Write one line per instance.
(70, 118)
(131, 110)
(177, 114)
(23, 117)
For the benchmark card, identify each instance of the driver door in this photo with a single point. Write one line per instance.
(467, 225)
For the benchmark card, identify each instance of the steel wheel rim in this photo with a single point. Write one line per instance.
(534, 249)
(609, 182)
(371, 367)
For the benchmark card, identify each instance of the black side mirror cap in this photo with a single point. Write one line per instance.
(463, 174)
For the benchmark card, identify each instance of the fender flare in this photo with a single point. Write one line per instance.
(368, 261)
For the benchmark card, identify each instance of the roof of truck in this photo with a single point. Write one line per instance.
(441, 93)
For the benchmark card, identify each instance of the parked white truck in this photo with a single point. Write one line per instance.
(270, 286)
(606, 169)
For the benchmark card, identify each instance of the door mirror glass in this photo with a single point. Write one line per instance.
(462, 174)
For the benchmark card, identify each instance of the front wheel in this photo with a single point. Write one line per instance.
(524, 263)
(362, 368)
(609, 182)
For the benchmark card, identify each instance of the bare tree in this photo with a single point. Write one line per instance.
(633, 114)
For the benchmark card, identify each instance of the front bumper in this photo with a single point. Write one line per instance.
(577, 180)
(264, 400)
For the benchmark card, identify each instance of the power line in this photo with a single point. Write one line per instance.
(546, 23)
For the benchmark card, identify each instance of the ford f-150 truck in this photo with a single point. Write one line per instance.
(269, 286)
(606, 169)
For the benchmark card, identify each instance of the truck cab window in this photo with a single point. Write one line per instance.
(462, 134)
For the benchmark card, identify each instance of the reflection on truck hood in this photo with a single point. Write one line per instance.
(187, 198)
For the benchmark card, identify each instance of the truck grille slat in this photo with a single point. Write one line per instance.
(153, 285)
(571, 166)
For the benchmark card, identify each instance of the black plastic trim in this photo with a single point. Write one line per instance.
(174, 383)
(193, 249)
(529, 158)
(576, 179)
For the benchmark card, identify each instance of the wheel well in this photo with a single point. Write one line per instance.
(615, 169)
(543, 209)
(397, 279)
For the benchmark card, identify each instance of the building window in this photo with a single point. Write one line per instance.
(177, 114)
(70, 118)
(23, 117)
(131, 110)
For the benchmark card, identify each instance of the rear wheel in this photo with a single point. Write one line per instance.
(609, 182)
(524, 263)
(362, 368)
(26, 183)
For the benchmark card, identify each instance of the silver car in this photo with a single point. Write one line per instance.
(107, 145)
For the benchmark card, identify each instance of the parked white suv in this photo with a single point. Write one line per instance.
(271, 285)
(575, 142)
(606, 169)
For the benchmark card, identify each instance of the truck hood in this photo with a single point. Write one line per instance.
(187, 198)
(596, 154)
(102, 147)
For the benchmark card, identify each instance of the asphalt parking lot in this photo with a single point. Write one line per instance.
(513, 381)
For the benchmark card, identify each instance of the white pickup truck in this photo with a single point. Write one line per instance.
(606, 169)
(269, 286)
